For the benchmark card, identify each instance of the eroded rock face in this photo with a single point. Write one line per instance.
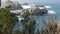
(38, 11)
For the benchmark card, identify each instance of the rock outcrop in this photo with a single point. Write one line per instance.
(38, 11)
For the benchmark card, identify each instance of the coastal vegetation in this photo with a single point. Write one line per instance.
(7, 20)
(28, 25)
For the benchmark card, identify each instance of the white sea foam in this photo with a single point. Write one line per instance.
(51, 12)
(48, 7)
(26, 6)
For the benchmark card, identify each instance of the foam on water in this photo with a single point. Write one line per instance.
(48, 7)
(50, 12)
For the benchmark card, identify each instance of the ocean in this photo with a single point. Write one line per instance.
(40, 19)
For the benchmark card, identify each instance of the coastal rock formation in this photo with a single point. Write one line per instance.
(38, 11)
(35, 10)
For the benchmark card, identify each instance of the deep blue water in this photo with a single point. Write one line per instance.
(40, 19)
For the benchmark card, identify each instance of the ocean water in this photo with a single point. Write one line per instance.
(40, 19)
(56, 8)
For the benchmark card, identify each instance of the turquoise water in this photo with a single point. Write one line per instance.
(40, 19)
